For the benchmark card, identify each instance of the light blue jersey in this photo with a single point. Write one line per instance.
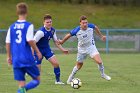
(85, 37)
(77, 29)
(20, 49)
(86, 43)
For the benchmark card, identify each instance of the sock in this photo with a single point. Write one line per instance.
(74, 71)
(32, 84)
(57, 73)
(101, 68)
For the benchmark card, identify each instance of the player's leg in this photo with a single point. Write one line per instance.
(94, 54)
(77, 67)
(21, 88)
(19, 75)
(39, 67)
(98, 60)
(79, 64)
(34, 73)
(53, 60)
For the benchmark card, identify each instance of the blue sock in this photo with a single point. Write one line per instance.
(32, 84)
(57, 73)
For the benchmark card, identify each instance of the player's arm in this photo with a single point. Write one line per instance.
(98, 32)
(35, 48)
(58, 45)
(31, 41)
(72, 33)
(65, 38)
(39, 34)
(9, 59)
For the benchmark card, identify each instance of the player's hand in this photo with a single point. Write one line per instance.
(65, 51)
(39, 55)
(57, 42)
(103, 38)
(60, 41)
(9, 61)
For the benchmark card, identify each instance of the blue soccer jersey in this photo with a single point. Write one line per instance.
(44, 41)
(20, 49)
(42, 38)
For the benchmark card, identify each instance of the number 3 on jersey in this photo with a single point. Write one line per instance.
(19, 38)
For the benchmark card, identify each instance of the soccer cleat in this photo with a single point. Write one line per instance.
(68, 82)
(21, 90)
(106, 77)
(70, 79)
(59, 83)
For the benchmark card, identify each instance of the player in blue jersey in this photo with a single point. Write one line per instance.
(19, 41)
(86, 46)
(42, 38)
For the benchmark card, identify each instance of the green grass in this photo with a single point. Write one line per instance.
(123, 68)
(66, 16)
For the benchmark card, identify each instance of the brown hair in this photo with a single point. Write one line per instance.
(83, 17)
(21, 8)
(47, 16)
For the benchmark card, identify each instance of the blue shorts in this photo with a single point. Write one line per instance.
(46, 52)
(19, 73)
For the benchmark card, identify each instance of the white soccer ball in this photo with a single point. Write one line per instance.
(76, 83)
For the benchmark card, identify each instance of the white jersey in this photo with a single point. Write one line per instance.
(85, 38)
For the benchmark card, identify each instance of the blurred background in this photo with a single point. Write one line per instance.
(118, 19)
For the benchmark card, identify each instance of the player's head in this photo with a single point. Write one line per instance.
(47, 21)
(22, 9)
(83, 22)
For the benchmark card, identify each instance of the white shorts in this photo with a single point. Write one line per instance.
(91, 51)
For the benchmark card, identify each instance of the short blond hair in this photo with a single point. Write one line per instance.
(22, 8)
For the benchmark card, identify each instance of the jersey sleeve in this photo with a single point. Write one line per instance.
(54, 36)
(91, 25)
(8, 36)
(30, 33)
(74, 31)
(39, 34)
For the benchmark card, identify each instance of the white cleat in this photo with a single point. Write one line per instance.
(70, 79)
(106, 77)
(59, 83)
(68, 82)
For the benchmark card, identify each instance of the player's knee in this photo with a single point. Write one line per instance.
(99, 62)
(79, 65)
(56, 65)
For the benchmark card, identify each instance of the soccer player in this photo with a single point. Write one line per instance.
(42, 38)
(86, 46)
(19, 41)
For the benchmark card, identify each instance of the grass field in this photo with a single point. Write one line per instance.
(123, 68)
(66, 16)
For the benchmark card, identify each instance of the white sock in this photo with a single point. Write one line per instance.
(101, 68)
(74, 71)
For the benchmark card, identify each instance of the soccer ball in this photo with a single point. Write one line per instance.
(76, 83)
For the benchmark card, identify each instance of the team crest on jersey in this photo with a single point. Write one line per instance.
(84, 36)
(52, 32)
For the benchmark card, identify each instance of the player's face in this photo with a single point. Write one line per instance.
(48, 23)
(84, 24)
